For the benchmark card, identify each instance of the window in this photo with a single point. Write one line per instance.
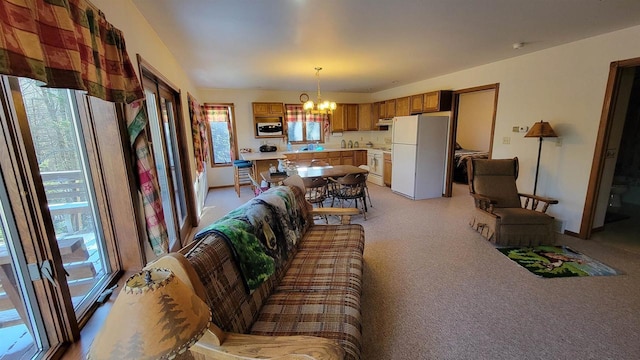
(220, 118)
(57, 244)
(303, 127)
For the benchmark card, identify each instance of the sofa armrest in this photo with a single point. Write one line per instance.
(344, 213)
(248, 347)
(483, 202)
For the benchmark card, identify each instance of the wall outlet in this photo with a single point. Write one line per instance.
(516, 129)
(523, 129)
(506, 140)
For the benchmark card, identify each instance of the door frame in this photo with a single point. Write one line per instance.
(453, 129)
(147, 71)
(602, 143)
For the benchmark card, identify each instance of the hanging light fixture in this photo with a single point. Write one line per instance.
(320, 106)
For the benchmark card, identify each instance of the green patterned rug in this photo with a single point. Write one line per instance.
(557, 261)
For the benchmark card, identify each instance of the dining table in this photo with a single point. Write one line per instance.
(329, 171)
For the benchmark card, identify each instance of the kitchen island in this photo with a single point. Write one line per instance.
(262, 161)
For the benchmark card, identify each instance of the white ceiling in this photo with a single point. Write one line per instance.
(365, 45)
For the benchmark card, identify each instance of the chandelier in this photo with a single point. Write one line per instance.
(319, 106)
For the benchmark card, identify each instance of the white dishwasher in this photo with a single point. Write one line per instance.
(375, 161)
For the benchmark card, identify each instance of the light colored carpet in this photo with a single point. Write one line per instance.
(435, 289)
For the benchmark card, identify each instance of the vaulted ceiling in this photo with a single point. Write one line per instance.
(365, 45)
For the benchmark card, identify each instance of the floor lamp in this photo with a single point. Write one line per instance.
(540, 130)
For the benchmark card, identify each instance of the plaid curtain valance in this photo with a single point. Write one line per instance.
(66, 44)
(297, 113)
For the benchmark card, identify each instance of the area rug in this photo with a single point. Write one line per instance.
(557, 261)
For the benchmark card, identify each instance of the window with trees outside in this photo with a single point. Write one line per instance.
(56, 239)
(220, 118)
(303, 127)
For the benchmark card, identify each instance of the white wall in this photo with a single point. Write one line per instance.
(564, 85)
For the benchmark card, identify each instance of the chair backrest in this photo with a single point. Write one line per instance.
(495, 179)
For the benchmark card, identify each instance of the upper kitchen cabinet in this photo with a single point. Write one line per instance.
(366, 121)
(345, 118)
(382, 109)
(437, 101)
(417, 102)
(390, 106)
(402, 106)
(268, 120)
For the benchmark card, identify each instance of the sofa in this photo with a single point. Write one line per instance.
(278, 285)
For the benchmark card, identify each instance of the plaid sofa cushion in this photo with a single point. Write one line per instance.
(233, 309)
(324, 237)
(331, 314)
(320, 270)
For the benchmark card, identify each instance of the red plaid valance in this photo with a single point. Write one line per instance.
(66, 44)
(297, 113)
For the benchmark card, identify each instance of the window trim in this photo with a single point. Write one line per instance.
(304, 128)
(234, 135)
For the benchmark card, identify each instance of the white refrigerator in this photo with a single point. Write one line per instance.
(419, 155)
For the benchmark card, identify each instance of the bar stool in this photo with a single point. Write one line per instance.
(241, 174)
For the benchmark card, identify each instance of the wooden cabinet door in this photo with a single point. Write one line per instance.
(337, 119)
(347, 158)
(334, 158)
(360, 157)
(437, 101)
(402, 106)
(390, 106)
(382, 110)
(417, 102)
(351, 117)
(375, 115)
(365, 119)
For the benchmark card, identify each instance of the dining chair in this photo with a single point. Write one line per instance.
(350, 187)
(316, 191)
(366, 187)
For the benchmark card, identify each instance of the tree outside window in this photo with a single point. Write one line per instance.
(223, 137)
(303, 127)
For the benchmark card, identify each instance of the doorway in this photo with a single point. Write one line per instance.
(612, 194)
(472, 127)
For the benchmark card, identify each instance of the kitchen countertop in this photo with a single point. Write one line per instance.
(282, 154)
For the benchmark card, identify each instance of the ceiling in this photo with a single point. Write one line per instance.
(365, 46)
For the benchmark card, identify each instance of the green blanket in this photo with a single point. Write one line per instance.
(261, 233)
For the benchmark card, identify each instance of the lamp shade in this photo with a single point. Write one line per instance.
(541, 129)
(155, 316)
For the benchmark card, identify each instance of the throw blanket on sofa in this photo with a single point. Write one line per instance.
(261, 233)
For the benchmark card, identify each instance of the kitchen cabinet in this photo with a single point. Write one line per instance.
(365, 117)
(437, 101)
(386, 170)
(382, 110)
(268, 109)
(402, 106)
(345, 118)
(334, 157)
(360, 157)
(390, 106)
(417, 102)
(347, 158)
(351, 117)
(269, 116)
(337, 119)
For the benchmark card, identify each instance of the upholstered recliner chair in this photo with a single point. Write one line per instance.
(500, 215)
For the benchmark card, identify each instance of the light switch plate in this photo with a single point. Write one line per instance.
(506, 140)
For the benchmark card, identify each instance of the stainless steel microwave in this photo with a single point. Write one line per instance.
(269, 128)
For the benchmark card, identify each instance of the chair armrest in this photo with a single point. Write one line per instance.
(248, 347)
(483, 202)
(344, 213)
(533, 201)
